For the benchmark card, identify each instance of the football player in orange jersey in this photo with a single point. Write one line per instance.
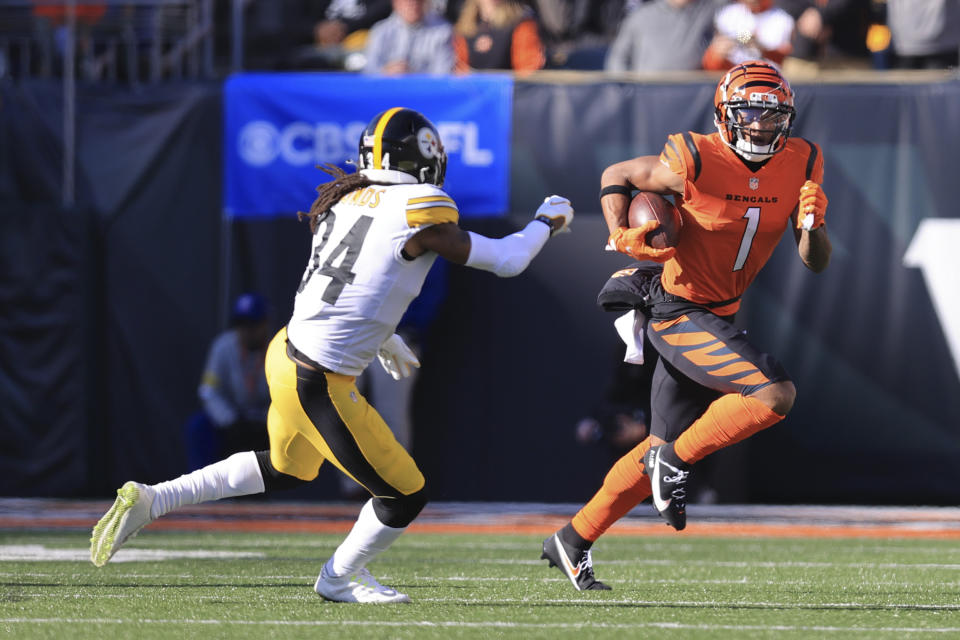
(737, 190)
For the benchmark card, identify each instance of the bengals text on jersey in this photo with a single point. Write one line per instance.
(733, 216)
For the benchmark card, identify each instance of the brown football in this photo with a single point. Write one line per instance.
(647, 206)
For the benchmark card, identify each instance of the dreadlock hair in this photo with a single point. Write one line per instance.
(331, 192)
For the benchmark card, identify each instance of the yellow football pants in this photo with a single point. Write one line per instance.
(316, 416)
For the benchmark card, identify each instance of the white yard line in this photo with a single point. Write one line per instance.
(39, 552)
(306, 579)
(481, 625)
(572, 601)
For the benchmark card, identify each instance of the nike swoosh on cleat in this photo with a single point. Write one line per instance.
(574, 571)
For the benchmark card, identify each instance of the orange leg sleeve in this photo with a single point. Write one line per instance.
(729, 419)
(625, 487)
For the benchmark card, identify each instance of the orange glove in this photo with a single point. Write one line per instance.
(633, 242)
(813, 206)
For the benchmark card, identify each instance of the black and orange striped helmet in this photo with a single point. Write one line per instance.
(754, 109)
(404, 140)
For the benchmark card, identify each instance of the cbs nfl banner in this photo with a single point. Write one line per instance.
(279, 127)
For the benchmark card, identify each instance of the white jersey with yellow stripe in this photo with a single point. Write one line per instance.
(357, 285)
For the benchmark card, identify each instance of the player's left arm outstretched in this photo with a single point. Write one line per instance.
(507, 256)
(810, 230)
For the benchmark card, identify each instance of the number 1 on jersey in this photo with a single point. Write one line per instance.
(753, 221)
(340, 275)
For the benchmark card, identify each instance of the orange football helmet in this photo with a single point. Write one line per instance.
(754, 110)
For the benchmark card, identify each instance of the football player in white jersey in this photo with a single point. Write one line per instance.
(376, 233)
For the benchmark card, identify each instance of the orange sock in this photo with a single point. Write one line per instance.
(729, 419)
(625, 487)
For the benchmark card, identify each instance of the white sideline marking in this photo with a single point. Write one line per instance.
(565, 601)
(38, 552)
(483, 625)
(763, 564)
(414, 542)
(700, 603)
(576, 602)
(14, 553)
(421, 578)
(33, 552)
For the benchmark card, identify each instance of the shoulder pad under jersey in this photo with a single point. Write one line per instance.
(428, 204)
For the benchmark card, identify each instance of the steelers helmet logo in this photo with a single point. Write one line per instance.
(428, 142)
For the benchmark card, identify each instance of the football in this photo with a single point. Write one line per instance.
(647, 206)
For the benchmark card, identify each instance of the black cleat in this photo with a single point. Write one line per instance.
(575, 564)
(669, 486)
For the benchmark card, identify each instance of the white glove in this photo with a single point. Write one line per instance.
(554, 207)
(396, 357)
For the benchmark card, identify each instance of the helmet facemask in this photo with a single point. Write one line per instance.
(757, 132)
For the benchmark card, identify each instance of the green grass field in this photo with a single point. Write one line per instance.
(473, 586)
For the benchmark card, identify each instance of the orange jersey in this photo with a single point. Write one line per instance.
(733, 217)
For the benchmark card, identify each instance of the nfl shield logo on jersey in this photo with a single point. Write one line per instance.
(754, 183)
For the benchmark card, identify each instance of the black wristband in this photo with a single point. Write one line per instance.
(547, 221)
(616, 188)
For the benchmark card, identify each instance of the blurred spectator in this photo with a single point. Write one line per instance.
(577, 33)
(664, 35)
(340, 36)
(304, 34)
(343, 18)
(749, 30)
(233, 390)
(51, 29)
(410, 40)
(828, 30)
(498, 34)
(449, 9)
(926, 33)
(879, 42)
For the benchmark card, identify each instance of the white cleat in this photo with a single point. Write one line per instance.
(359, 587)
(130, 513)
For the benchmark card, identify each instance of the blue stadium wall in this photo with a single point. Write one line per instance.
(107, 308)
